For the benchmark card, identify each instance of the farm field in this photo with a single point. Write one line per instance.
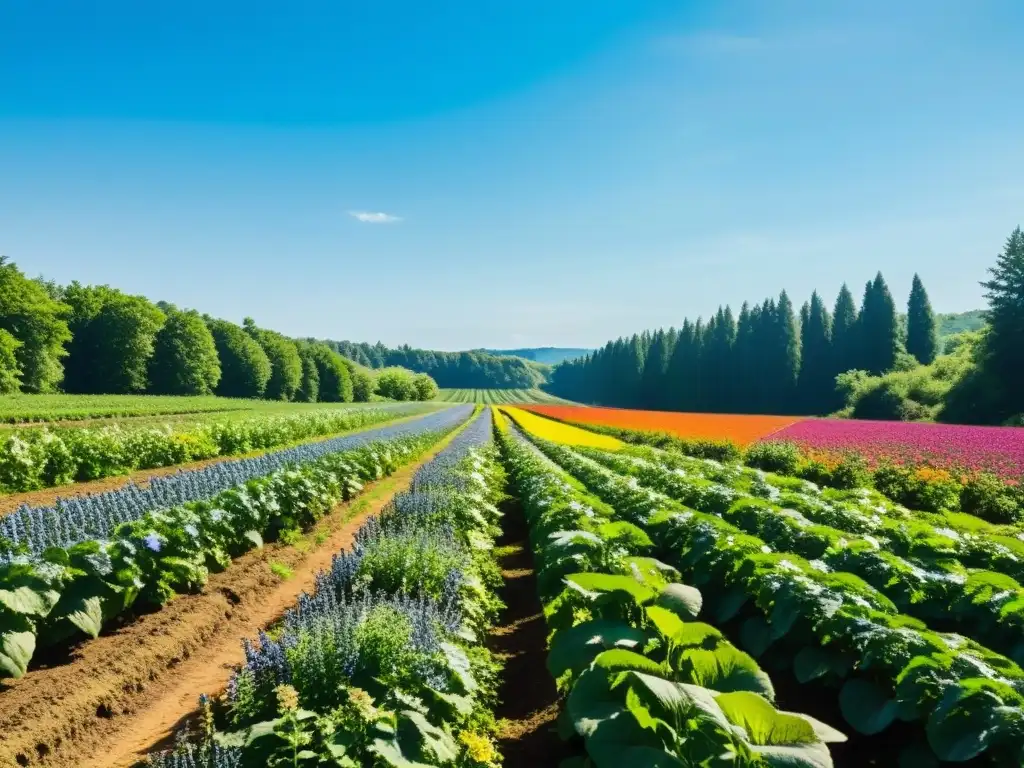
(34, 457)
(883, 621)
(19, 409)
(999, 450)
(497, 396)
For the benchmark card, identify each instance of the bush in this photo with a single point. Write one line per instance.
(774, 456)
(923, 488)
(988, 497)
(426, 387)
(396, 384)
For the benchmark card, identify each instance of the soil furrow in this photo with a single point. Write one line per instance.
(529, 703)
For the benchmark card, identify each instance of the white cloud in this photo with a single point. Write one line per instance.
(371, 217)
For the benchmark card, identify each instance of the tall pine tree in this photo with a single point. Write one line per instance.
(653, 380)
(922, 333)
(878, 328)
(816, 384)
(1004, 345)
(845, 345)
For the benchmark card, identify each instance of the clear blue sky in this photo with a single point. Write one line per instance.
(560, 172)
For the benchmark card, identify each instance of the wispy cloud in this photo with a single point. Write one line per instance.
(374, 217)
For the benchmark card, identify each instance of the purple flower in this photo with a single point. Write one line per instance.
(153, 542)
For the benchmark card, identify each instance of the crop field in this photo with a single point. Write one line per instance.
(497, 396)
(473, 586)
(19, 409)
(900, 630)
(999, 450)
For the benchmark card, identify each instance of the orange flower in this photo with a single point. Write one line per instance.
(741, 429)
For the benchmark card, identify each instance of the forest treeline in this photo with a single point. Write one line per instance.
(822, 358)
(88, 339)
(456, 370)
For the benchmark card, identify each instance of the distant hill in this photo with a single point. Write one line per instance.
(546, 355)
(960, 322)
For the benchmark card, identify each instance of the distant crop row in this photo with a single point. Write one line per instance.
(35, 458)
(497, 396)
(844, 592)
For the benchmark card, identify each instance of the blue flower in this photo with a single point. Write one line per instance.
(153, 542)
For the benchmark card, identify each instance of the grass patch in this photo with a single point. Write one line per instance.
(282, 571)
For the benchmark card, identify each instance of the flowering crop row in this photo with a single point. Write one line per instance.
(57, 583)
(384, 663)
(42, 457)
(563, 433)
(644, 683)
(740, 429)
(829, 627)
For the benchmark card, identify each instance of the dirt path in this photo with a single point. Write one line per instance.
(48, 496)
(529, 702)
(123, 694)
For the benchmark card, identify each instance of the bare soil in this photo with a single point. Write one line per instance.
(114, 699)
(529, 703)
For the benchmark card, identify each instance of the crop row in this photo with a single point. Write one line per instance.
(831, 629)
(99, 566)
(384, 663)
(645, 684)
(964, 578)
(43, 458)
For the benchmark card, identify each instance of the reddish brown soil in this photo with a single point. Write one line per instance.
(529, 703)
(48, 496)
(122, 694)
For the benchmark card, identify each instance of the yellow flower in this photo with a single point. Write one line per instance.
(479, 748)
(499, 419)
(557, 432)
(287, 698)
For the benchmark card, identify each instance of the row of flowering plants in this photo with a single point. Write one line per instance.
(829, 628)
(644, 682)
(932, 467)
(41, 457)
(65, 572)
(384, 663)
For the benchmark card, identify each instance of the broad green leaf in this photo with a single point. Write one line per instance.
(755, 636)
(606, 582)
(729, 604)
(666, 622)
(592, 702)
(16, 649)
(801, 756)
(621, 660)
(574, 648)
(682, 599)
(674, 702)
(29, 601)
(866, 707)
(812, 662)
(87, 614)
(434, 742)
(391, 754)
(458, 662)
(727, 669)
(254, 537)
(765, 725)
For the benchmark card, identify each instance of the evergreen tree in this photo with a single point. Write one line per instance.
(184, 360)
(1003, 359)
(878, 328)
(845, 343)
(922, 332)
(682, 367)
(655, 367)
(816, 385)
(787, 349)
(245, 367)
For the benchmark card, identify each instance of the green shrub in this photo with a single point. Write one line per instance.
(919, 488)
(988, 497)
(777, 456)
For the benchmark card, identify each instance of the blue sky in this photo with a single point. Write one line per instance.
(557, 172)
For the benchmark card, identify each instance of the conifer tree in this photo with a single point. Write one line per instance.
(788, 352)
(878, 328)
(845, 346)
(1004, 344)
(816, 385)
(655, 365)
(922, 333)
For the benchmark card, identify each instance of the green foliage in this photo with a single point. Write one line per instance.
(10, 369)
(39, 322)
(774, 456)
(988, 497)
(908, 486)
(99, 315)
(333, 375)
(815, 384)
(309, 387)
(285, 363)
(845, 333)
(362, 381)
(878, 328)
(1003, 352)
(185, 360)
(922, 330)
(245, 367)
(426, 387)
(401, 384)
